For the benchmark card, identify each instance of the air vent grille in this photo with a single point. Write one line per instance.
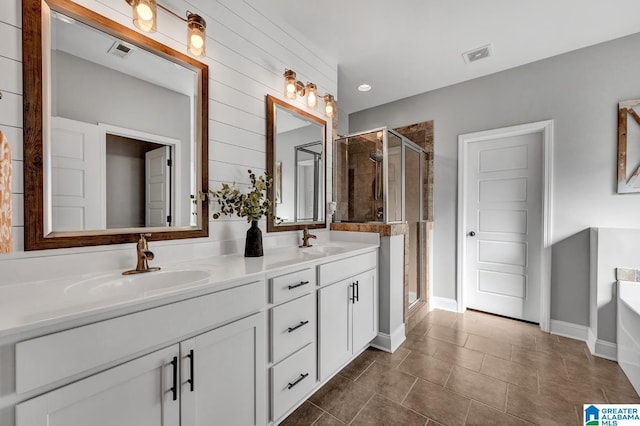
(478, 53)
(121, 49)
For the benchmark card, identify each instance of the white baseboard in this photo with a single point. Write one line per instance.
(602, 348)
(607, 350)
(599, 348)
(570, 330)
(389, 343)
(444, 304)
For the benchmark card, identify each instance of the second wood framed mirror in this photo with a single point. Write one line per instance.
(296, 150)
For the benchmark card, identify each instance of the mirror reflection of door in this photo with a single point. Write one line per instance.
(158, 187)
(76, 192)
(309, 167)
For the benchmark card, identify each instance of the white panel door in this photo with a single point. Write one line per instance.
(77, 188)
(142, 392)
(224, 375)
(504, 226)
(158, 187)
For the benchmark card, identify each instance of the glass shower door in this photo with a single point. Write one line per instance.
(413, 182)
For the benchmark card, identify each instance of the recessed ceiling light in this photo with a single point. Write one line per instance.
(364, 87)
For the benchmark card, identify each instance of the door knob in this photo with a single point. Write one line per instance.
(471, 234)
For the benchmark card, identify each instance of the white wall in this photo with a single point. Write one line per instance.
(246, 55)
(580, 90)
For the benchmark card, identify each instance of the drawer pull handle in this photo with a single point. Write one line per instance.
(298, 380)
(357, 291)
(192, 361)
(290, 329)
(291, 287)
(174, 389)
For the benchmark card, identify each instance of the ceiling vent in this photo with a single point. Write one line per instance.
(477, 54)
(121, 49)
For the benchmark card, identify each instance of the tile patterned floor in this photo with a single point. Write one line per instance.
(468, 369)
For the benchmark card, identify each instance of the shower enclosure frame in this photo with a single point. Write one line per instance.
(405, 143)
(385, 170)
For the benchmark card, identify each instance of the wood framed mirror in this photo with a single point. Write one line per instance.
(115, 132)
(296, 150)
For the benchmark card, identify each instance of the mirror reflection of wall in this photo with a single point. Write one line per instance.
(294, 132)
(96, 78)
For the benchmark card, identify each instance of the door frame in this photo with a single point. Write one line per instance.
(546, 128)
(176, 155)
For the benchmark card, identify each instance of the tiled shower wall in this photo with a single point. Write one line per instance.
(246, 54)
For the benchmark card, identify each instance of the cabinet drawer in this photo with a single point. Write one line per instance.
(292, 380)
(294, 284)
(345, 268)
(61, 355)
(293, 325)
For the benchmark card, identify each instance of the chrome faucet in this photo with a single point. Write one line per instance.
(305, 237)
(144, 256)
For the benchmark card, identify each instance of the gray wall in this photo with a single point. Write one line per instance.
(580, 90)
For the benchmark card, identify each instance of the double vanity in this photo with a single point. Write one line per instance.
(226, 340)
(239, 340)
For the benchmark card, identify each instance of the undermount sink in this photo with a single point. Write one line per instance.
(323, 249)
(118, 285)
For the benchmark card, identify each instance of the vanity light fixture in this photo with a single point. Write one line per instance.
(312, 95)
(145, 15)
(329, 106)
(196, 34)
(294, 88)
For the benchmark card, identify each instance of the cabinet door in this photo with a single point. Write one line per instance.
(365, 310)
(334, 333)
(137, 393)
(228, 375)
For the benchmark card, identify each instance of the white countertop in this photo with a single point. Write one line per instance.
(31, 305)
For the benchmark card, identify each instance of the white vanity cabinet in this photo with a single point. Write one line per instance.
(223, 375)
(217, 374)
(137, 393)
(348, 315)
(292, 325)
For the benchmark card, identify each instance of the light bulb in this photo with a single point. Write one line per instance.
(312, 97)
(197, 41)
(328, 109)
(144, 12)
